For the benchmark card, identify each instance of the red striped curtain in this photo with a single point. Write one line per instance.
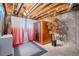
(18, 31)
(30, 30)
(19, 25)
(30, 34)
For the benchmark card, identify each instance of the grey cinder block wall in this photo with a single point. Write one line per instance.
(71, 19)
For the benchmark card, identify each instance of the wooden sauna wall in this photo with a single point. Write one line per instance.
(45, 37)
(42, 32)
(45, 28)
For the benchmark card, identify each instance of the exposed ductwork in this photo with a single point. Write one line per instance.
(70, 7)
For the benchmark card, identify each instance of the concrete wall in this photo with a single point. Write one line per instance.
(72, 21)
(77, 29)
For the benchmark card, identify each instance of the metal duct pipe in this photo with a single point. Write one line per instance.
(70, 7)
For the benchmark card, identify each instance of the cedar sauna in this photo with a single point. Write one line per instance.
(42, 32)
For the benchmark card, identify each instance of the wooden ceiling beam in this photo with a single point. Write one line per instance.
(41, 7)
(76, 6)
(23, 8)
(45, 9)
(19, 8)
(54, 13)
(4, 6)
(9, 8)
(57, 9)
(33, 8)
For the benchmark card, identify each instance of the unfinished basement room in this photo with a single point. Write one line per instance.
(39, 29)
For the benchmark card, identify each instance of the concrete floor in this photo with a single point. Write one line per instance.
(65, 50)
(28, 49)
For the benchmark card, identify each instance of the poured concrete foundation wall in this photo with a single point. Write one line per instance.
(71, 19)
(77, 29)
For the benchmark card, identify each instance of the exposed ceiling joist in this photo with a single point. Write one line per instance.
(45, 10)
(10, 8)
(4, 8)
(40, 10)
(41, 7)
(33, 8)
(25, 7)
(18, 8)
(56, 9)
(55, 12)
